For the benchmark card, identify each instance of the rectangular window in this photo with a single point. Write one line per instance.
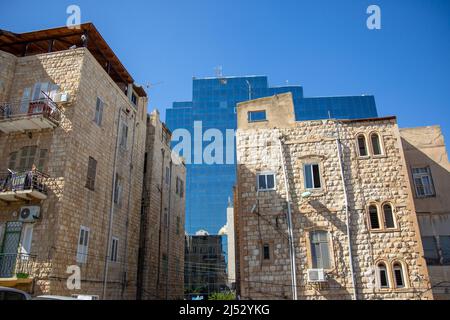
(320, 252)
(27, 156)
(42, 158)
(165, 264)
(117, 189)
(114, 249)
(266, 251)
(423, 182)
(98, 112)
(312, 176)
(134, 99)
(256, 116)
(91, 172)
(124, 135)
(266, 181)
(444, 243)
(178, 225)
(83, 245)
(430, 250)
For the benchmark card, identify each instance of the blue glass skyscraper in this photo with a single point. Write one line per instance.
(208, 187)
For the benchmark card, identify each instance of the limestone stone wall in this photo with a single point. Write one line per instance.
(425, 148)
(162, 228)
(70, 204)
(7, 67)
(368, 180)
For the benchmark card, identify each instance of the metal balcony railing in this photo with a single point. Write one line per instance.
(32, 180)
(29, 109)
(18, 265)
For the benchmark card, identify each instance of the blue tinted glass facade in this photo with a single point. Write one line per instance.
(208, 187)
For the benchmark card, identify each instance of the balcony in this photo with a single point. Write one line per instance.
(16, 270)
(25, 116)
(23, 186)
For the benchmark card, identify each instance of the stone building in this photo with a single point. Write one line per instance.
(429, 172)
(205, 268)
(161, 251)
(73, 132)
(324, 209)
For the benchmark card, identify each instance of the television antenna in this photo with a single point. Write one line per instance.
(150, 85)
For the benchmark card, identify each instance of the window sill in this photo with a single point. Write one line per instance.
(379, 156)
(384, 230)
(266, 190)
(257, 121)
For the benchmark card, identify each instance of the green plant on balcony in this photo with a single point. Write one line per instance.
(22, 275)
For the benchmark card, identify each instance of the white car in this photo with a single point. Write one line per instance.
(13, 294)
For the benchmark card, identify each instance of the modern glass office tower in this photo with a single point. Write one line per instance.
(208, 187)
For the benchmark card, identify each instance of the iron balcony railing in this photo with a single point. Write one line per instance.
(23, 181)
(30, 108)
(16, 265)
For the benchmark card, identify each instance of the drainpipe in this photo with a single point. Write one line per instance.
(289, 222)
(160, 217)
(347, 214)
(130, 178)
(111, 211)
(168, 226)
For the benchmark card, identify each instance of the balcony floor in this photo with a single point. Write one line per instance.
(25, 123)
(22, 195)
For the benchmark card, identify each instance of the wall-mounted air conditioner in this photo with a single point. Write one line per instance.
(317, 275)
(62, 97)
(29, 214)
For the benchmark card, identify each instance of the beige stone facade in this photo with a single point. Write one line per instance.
(385, 245)
(429, 171)
(83, 124)
(162, 226)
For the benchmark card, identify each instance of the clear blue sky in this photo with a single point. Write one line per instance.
(322, 45)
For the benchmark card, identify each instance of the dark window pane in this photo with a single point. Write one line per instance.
(373, 214)
(388, 216)
(398, 274)
(270, 181)
(316, 174)
(376, 144)
(266, 253)
(383, 277)
(430, 250)
(362, 146)
(262, 182)
(308, 177)
(445, 248)
(254, 116)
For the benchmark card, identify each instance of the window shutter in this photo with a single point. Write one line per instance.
(27, 236)
(25, 103)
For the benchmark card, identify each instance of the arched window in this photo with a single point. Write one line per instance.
(373, 216)
(362, 145)
(383, 280)
(399, 278)
(376, 144)
(389, 222)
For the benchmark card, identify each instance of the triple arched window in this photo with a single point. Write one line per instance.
(381, 217)
(392, 275)
(376, 148)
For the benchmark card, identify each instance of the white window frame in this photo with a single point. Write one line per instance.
(312, 164)
(421, 176)
(124, 134)
(114, 252)
(386, 270)
(118, 189)
(402, 270)
(83, 249)
(380, 144)
(366, 147)
(266, 173)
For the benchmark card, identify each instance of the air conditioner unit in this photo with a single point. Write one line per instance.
(85, 297)
(62, 97)
(29, 214)
(317, 275)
